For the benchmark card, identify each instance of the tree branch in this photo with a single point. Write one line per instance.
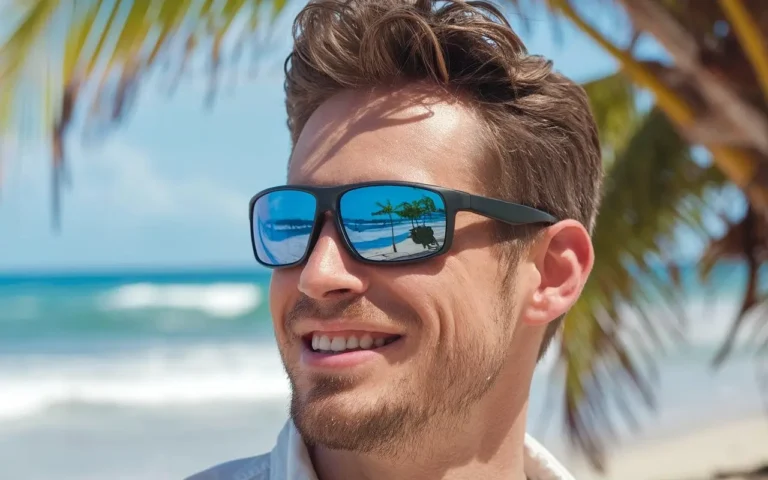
(668, 100)
(750, 37)
(737, 164)
(653, 18)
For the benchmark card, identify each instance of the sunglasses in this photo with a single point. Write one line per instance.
(379, 222)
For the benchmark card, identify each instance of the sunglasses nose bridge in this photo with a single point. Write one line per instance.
(327, 218)
(325, 205)
(327, 213)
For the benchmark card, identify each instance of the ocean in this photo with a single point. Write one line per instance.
(155, 375)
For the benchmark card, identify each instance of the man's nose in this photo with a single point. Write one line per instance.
(330, 272)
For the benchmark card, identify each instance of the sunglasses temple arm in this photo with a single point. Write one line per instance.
(512, 213)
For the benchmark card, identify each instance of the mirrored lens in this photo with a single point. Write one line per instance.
(393, 223)
(282, 225)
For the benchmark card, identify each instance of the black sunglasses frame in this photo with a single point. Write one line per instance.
(328, 199)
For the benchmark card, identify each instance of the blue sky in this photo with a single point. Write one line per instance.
(170, 187)
(362, 203)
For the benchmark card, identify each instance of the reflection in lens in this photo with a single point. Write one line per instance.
(282, 224)
(393, 222)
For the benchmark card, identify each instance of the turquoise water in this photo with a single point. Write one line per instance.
(166, 305)
(382, 228)
(177, 305)
(84, 310)
(143, 339)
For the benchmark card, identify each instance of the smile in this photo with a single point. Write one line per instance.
(339, 342)
(346, 349)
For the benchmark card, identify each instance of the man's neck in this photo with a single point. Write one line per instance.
(488, 445)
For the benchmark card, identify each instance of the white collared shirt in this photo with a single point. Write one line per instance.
(289, 460)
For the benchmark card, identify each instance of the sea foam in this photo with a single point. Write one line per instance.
(155, 377)
(216, 299)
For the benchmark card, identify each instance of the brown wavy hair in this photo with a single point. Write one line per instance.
(541, 136)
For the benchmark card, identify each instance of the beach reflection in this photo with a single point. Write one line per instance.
(381, 222)
(282, 225)
(394, 222)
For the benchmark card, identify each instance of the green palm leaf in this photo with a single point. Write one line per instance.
(385, 208)
(105, 47)
(744, 241)
(613, 102)
(605, 355)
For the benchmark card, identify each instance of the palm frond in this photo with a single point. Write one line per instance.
(747, 241)
(98, 51)
(631, 307)
(547, 11)
(613, 102)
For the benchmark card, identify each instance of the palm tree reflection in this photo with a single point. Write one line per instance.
(417, 211)
(388, 209)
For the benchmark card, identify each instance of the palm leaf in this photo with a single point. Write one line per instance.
(106, 47)
(721, 52)
(613, 102)
(745, 240)
(631, 307)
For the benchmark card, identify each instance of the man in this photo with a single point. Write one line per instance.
(434, 230)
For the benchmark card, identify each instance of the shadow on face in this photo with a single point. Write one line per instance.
(409, 130)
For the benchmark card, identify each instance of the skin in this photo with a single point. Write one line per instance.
(449, 400)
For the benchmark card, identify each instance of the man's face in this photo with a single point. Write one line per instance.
(448, 319)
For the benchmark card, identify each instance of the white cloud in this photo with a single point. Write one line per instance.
(119, 179)
(124, 179)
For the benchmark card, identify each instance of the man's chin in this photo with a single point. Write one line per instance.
(330, 403)
(341, 421)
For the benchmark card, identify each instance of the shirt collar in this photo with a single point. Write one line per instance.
(289, 460)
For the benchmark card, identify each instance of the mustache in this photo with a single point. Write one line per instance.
(358, 308)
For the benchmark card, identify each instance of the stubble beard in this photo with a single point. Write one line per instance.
(404, 421)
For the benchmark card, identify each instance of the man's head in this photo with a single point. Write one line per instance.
(441, 93)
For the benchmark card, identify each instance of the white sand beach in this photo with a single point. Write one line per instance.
(406, 248)
(292, 247)
(720, 449)
(160, 444)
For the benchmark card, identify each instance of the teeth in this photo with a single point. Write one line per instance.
(338, 344)
(366, 341)
(324, 343)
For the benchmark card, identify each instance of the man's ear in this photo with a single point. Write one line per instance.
(563, 256)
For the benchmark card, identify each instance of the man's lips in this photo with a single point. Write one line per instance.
(323, 352)
(333, 327)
